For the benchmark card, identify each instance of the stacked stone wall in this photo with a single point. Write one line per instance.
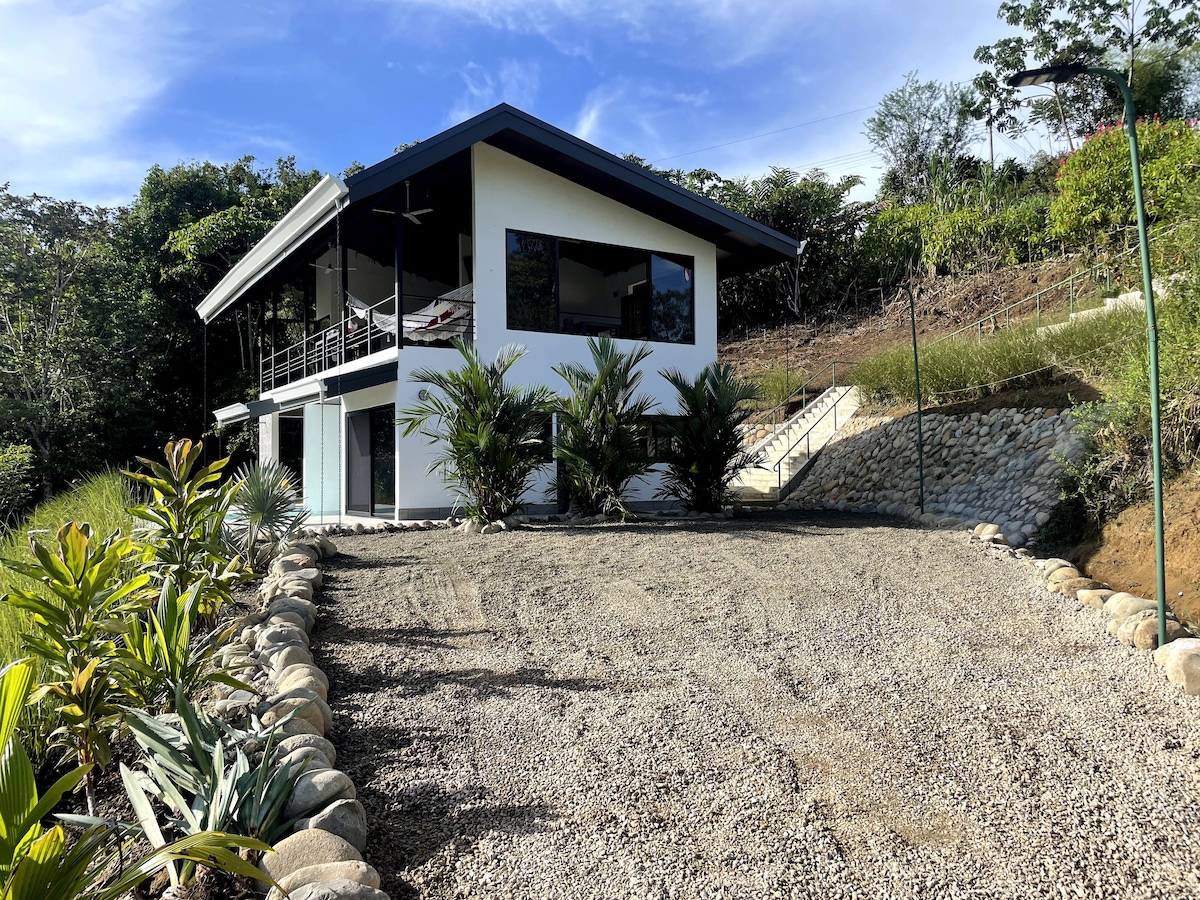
(1000, 467)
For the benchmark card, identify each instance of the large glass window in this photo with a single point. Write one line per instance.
(582, 287)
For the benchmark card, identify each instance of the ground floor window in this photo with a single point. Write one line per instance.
(291, 443)
(371, 462)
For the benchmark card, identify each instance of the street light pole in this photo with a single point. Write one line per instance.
(912, 316)
(1060, 75)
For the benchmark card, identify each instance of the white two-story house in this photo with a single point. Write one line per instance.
(500, 230)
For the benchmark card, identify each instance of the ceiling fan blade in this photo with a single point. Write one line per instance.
(421, 212)
(412, 217)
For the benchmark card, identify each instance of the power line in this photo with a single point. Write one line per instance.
(765, 134)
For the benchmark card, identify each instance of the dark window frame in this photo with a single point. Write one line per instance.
(682, 260)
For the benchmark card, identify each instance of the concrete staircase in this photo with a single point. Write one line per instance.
(795, 444)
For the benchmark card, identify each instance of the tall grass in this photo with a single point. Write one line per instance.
(1096, 348)
(100, 501)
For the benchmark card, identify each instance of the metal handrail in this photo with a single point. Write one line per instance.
(807, 438)
(803, 391)
(330, 347)
(1069, 281)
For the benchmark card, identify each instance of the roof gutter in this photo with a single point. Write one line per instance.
(313, 212)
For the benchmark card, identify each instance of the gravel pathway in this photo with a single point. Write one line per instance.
(787, 706)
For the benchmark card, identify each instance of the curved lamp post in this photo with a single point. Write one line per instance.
(1061, 75)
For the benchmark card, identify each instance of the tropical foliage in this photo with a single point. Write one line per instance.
(491, 436)
(702, 446)
(266, 511)
(601, 439)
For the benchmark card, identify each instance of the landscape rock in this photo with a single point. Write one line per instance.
(1070, 587)
(287, 656)
(1094, 598)
(1123, 604)
(316, 790)
(304, 695)
(281, 634)
(349, 870)
(302, 682)
(300, 741)
(306, 759)
(300, 671)
(1180, 661)
(1062, 573)
(306, 848)
(294, 727)
(345, 818)
(303, 709)
(1128, 625)
(1145, 636)
(341, 889)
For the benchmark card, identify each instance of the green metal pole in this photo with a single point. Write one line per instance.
(912, 315)
(1152, 334)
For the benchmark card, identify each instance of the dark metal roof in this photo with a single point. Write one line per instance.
(742, 244)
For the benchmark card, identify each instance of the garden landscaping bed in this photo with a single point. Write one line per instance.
(790, 705)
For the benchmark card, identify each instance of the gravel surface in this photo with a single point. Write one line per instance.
(785, 706)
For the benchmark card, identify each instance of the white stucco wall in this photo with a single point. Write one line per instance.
(513, 194)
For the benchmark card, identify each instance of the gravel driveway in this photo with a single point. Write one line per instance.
(786, 706)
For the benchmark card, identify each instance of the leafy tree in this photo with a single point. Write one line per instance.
(68, 332)
(702, 446)
(489, 433)
(601, 427)
(1141, 37)
(918, 125)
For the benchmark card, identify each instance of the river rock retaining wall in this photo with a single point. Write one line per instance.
(999, 467)
(322, 858)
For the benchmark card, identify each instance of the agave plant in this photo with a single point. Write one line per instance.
(37, 864)
(197, 767)
(266, 511)
(601, 427)
(490, 433)
(703, 448)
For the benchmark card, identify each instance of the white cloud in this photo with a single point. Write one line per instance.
(76, 74)
(515, 83)
(700, 33)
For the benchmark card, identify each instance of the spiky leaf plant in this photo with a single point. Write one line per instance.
(703, 448)
(266, 511)
(489, 433)
(601, 436)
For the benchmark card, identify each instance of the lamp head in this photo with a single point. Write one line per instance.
(1046, 75)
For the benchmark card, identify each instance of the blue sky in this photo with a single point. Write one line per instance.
(92, 94)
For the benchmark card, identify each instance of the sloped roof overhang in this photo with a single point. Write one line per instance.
(743, 245)
(313, 212)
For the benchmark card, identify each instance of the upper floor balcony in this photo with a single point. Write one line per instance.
(365, 330)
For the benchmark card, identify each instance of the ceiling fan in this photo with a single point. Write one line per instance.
(410, 213)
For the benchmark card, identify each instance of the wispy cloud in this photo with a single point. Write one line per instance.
(515, 82)
(75, 74)
(701, 33)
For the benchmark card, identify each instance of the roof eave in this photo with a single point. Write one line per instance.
(313, 211)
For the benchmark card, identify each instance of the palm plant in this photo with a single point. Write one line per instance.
(601, 427)
(703, 448)
(37, 864)
(489, 433)
(267, 511)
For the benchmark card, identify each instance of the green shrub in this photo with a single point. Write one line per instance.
(267, 512)
(16, 480)
(1096, 183)
(601, 438)
(702, 447)
(490, 434)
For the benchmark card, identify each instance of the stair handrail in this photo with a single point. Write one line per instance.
(803, 391)
(977, 325)
(806, 437)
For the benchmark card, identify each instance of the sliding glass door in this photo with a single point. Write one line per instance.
(371, 462)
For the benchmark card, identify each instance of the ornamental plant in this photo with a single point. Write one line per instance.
(184, 532)
(702, 446)
(601, 438)
(1095, 184)
(489, 433)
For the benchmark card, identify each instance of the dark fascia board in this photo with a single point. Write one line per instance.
(591, 167)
